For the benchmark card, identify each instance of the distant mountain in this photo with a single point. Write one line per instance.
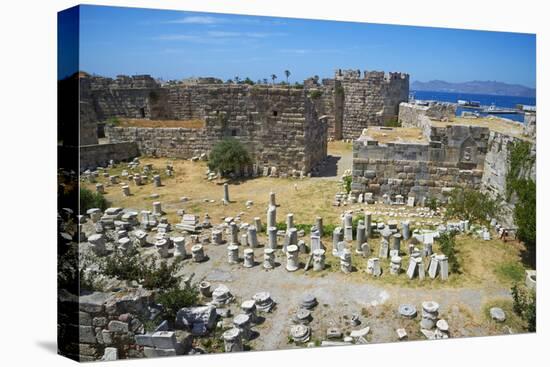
(475, 87)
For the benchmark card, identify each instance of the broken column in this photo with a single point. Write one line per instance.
(234, 231)
(271, 216)
(179, 246)
(360, 237)
(197, 253)
(319, 225)
(269, 258)
(345, 261)
(272, 237)
(272, 201)
(368, 224)
(292, 261)
(289, 221)
(248, 258)
(242, 322)
(216, 237)
(233, 254)
(249, 308)
(395, 265)
(258, 224)
(373, 267)
(157, 208)
(156, 181)
(315, 240)
(443, 267)
(204, 289)
(405, 229)
(263, 300)
(337, 236)
(348, 227)
(99, 188)
(430, 314)
(396, 242)
(318, 260)
(126, 190)
(252, 237)
(225, 193)
(232, 340)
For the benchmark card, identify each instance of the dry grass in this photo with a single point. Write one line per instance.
(190, 124)
(493, 123)
(482, 262)
(396, 135)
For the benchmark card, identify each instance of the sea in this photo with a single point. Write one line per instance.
(484, 99)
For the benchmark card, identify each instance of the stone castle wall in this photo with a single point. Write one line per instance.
(95, 155)
(370, 100)
(279, 126)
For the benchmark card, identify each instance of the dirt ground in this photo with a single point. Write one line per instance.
(484, 279)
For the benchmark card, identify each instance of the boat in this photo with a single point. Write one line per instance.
(470, 104)
(492, 109)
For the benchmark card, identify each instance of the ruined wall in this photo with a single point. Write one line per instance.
(413, 115)
(370, 100)
(279, 127)
(92, 156)
(419, 170)
(496, 170)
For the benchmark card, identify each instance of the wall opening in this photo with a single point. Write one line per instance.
(275, 113)
(142, 112)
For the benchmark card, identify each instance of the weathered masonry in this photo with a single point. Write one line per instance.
(435, 152)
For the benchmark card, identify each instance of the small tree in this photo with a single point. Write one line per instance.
(287, 74)
(472, 205)
(525, 305)
(228, 156)
(172, 300)
(273, 77)
(89, 200)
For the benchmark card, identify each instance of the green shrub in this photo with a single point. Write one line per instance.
(228, 156)
(315, 94)
(89, 199)
(393, 122)
(472, 205)
(174, 299)
(347, 183)
(432, 203)
(115, 121)
(448, 247)
(162, 276)
(525, 305)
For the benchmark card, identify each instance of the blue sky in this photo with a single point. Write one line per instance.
(176, 44)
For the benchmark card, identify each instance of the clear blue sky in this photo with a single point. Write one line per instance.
(176, 44)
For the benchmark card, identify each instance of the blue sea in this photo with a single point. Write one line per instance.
(484, 99)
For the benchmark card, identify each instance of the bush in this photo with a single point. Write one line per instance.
(472, 205)
(432, 203)
(228, 156)
(113, 121)
(89, 199)
(394, 122)
(174, 299)
(447, 244)
(315, 94)
(525, 305)
(148, 273)
(347, 183)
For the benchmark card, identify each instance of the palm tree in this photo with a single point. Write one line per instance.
(273, 77)
(265, 80)
(287, 74)
(237, 79)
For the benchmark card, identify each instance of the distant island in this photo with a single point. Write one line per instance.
(475, 87)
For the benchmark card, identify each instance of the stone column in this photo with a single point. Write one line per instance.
(395, 266)
(272, 238)
(156, 181)
(234, 229)
(248, 258)
(258, 224)
(272, 201)
(242, 322)
(249, 308)
(157, 208)
(197, 252)
(373, 267)
(252, 237)
(430, 314)
(216, 237)
(126, 190)
(233, 254)
(319, 225)
(179, 246)
(232, 340)
(292, 262)
(396, 242)
(345, 261)
(315, 240)
(368, 224)
(318, 260)
(348, 227)
(293, 236)
(269, 258)
(141, 238)
(443, 267)
(289, 221)
(204, 289)
(137, 180)
(405, 229)
(162, 247)
(361, 237)
(271, 217)
(226, 193)
(99, 188)
(337, 236)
